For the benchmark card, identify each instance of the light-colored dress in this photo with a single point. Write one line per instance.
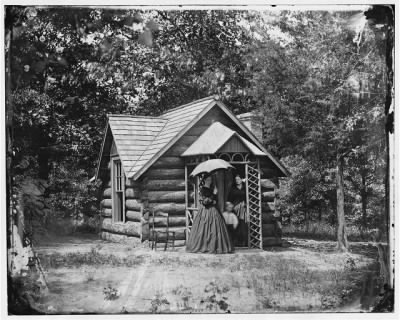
(231, 219)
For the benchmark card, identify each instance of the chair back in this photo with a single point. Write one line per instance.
(158, 213)
(165, 215)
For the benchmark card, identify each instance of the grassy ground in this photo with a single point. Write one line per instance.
(325, 231)
(87, 275)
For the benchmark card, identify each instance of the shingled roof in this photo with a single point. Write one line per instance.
(176, 120)
(141, 140)
(133, 136)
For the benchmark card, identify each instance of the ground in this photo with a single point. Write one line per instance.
(88, 275)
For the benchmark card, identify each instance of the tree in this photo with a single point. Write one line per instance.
(70, 67)
(319, 113)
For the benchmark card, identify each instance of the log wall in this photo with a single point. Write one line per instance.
(164, 187)
(271, 229)
(120, 231)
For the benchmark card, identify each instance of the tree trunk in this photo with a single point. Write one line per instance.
(43, 161)
(363, 194)
(9, 117)
(307, 220)
(320, 213)
(341, 232)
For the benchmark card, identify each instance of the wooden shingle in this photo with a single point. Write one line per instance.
(140, 140)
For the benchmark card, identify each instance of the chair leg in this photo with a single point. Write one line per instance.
(166, 243)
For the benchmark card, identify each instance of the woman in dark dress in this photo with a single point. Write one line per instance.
(209, 233)
(237, 196)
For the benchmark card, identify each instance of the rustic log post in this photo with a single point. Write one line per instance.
(341, 232)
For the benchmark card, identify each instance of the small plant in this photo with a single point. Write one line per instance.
(350, 264)
(89, 274)
(236, 284)
(185, 295)
(329, 301)
(267, 303)
(215, 301)
(159, 303)
(110, 293)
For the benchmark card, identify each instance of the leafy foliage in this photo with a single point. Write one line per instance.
(110, 293)
(318, 78)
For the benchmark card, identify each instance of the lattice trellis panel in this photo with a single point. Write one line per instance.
(254, 205)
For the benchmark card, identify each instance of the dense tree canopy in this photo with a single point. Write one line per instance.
(318, 79)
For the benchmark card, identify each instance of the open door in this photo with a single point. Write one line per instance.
(253, 188)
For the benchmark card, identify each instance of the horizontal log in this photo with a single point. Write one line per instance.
(269, 217)
(180, 233)
(107, 193)
(166, 173)
(268, 206)
(177, 150)
(187, 139)
(271, 241)
(131, 183)
(169, 162)
(132, 204)
(165, 196)
(132, 193)
(177, 243)
(268, 173)
(269, 230)
(133, 215)
(171, 208)
(115, 237)
(106, 203)
(127, 228)
(165, 185)
(173, 221)
(106, 212)
(267, 184)
(268, 196)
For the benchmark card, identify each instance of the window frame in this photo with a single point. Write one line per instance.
(118, 190)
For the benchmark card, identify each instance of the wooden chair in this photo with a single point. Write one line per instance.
(157, 236)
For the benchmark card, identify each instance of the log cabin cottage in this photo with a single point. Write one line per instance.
(145, 164)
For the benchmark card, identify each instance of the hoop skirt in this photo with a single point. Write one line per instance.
(209, 233)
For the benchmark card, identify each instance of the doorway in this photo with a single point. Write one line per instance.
(224, 181)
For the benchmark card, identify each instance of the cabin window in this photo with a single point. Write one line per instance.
(118, 195)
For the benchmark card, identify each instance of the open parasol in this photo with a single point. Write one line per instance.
(210, 166)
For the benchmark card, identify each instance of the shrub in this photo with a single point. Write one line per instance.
(110, 293)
